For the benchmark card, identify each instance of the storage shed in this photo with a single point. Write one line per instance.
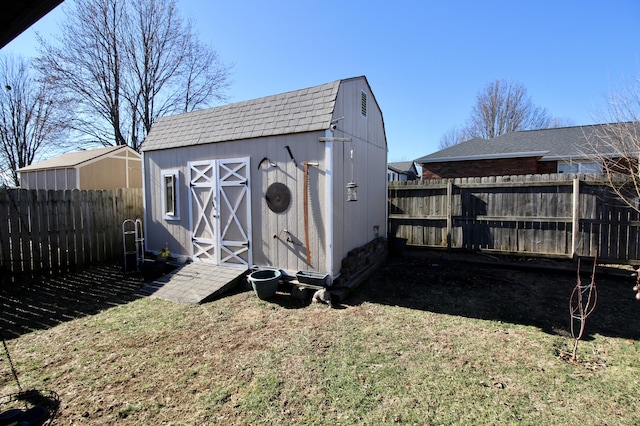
(103, 168)
(292, 181)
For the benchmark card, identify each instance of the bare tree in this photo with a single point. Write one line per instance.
(30, 116)
(557, 122)
(87, 64)
(453, 137)
(616, 144)
(503, 107)
(205, 78)
(127, 62)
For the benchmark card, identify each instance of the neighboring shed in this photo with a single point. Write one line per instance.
(402, 171)
(556, 150)
(265, 182)
(103, 168)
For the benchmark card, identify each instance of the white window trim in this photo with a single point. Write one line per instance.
(176, 184)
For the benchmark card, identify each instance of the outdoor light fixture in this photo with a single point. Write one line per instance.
(352, 192)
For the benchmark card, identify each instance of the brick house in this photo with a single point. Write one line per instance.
(556, 150)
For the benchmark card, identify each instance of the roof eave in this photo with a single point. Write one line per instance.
(577, 157)
(80, 163)
(425, 160)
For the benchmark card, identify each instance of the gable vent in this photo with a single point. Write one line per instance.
(363, 104)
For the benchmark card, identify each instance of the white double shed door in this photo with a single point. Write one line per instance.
(219, 211)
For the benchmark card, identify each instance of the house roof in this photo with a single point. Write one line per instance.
(402, 166)
(304, 110)
(562, 143)
(73, 159)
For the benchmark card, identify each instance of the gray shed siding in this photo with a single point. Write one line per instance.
(353, 222)
(269, 241)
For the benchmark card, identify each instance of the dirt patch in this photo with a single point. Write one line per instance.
(520, 290)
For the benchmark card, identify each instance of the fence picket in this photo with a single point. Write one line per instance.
(87, 226)
(25, 230)
(76, 208)
(92, 233)
(98, 216)
(36, 254)
(5, 253)
(52, 231)
(42, 217)
(69, 230)
(110, 234)
(15, 261)
(62, 219)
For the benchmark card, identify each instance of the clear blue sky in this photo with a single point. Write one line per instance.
(425, 60)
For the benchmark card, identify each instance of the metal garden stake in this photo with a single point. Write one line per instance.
(581, 304)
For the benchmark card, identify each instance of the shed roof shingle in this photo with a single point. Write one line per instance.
(298, 111)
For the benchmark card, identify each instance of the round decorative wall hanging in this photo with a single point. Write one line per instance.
(278, 197)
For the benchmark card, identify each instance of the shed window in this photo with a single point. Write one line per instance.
(170, 195)
(363, 104)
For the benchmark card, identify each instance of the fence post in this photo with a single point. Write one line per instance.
(575, 217)
(449, 212)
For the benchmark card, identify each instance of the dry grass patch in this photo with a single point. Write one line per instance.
(454, 343)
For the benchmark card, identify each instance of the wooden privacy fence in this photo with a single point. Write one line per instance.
(547, 215)
(53, 231)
